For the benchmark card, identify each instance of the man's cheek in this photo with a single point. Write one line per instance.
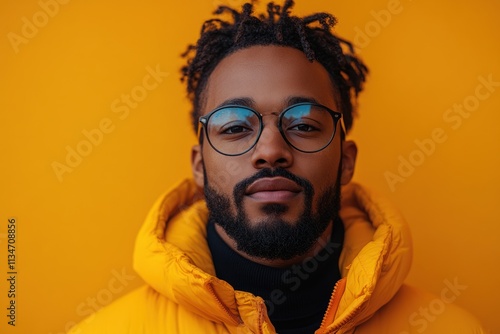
(221, 181)
(322, 187)
(225, 174)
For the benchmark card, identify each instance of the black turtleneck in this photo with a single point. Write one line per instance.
(296, 297)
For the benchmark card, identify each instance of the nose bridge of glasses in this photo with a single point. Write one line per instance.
(271, 130)
(276, 119)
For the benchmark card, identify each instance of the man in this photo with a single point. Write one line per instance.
(267, 249)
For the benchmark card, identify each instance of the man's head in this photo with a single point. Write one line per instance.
(310, 34)
(273, 200)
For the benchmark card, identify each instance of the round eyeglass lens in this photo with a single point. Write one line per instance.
(308, 127)
(233, 130)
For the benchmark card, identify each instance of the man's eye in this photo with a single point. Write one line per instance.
(303, 128)
(235, 129)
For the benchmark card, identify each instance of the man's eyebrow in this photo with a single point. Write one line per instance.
(291, 100)
(239, 101)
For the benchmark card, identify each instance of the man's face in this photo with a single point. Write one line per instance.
(273, 190)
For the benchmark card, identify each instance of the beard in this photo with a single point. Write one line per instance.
(274, 238)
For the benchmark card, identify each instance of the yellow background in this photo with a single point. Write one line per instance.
(77, 233)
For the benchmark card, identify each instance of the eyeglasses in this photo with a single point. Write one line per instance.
(234, 130)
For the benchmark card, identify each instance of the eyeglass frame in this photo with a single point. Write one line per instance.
(336, 116)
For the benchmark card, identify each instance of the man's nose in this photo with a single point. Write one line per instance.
(272, 150)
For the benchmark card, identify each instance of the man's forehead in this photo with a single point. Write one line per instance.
(268, 76)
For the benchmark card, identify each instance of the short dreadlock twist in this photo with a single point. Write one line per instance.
(310, 34)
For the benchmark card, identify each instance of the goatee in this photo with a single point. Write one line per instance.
(273, 238)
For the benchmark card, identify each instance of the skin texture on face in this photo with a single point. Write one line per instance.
(269, 79)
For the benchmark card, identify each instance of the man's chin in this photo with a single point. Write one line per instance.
(262, 212)
(274, 209)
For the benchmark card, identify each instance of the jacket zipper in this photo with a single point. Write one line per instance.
(345, 321)
(262, 309)
(237, 320)
(333, 305)
(331, 311)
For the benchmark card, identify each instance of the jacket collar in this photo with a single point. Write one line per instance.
(172, 256)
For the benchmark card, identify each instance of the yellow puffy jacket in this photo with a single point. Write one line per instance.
(182, 294)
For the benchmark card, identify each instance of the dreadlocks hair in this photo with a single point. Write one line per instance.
(310, 34)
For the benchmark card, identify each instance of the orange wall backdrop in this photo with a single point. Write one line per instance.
(94, 126)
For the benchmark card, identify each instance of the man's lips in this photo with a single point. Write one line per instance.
(273, 189)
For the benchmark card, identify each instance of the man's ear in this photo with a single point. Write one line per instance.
(349, 153)
(197, 165)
